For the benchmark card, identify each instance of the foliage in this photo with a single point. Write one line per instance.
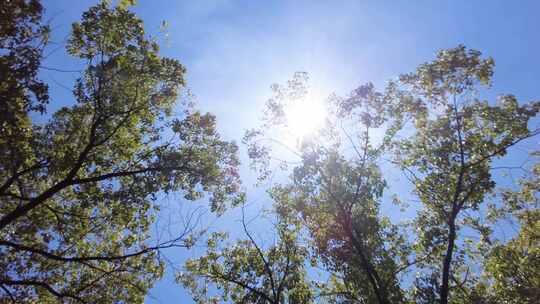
(246, 272)
(455, 138)
(78, 193)
(511, 268)
(433, 127)
(22, 39)
(514, 266)
(337, 194)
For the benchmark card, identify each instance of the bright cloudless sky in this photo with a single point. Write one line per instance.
(234, 50)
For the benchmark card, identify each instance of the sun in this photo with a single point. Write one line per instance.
(304, 117)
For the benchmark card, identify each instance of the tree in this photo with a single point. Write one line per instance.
(455, 139)
(22, 39)
(246, 272)
(79, 192)
(511, 268)
(514, 266)
(337, 194)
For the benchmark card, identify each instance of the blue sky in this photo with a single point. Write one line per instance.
(234, 51)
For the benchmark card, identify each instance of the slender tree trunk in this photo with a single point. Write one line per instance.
(447, 263)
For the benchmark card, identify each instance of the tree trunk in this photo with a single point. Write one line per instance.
(447, 263)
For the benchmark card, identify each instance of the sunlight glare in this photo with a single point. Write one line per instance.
(304, 117)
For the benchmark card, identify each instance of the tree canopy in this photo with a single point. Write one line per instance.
(79, 192)
(80, 188)
(431, 126)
